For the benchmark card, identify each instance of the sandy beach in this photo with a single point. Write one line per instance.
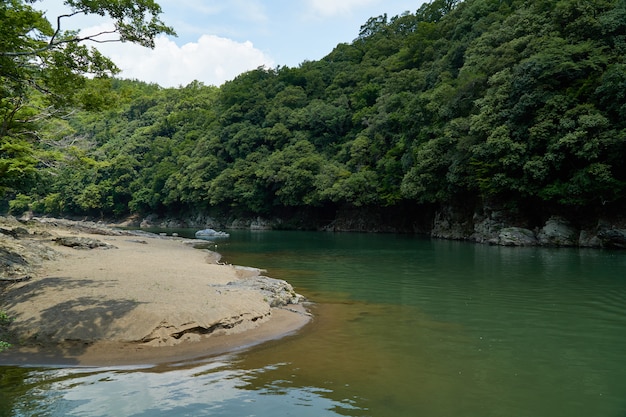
(135, 299)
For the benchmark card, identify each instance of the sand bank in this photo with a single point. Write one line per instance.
(138, 299)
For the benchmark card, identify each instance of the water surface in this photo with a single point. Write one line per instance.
(404, 326)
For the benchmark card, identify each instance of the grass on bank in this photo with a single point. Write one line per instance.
(5, 320)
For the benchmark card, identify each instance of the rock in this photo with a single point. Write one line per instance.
(449, 224)
(173, 224)
(8, 232)
(26, 217)
(613, 238)
(203, 221)
(12, 262)
(486, 227)
(21, 257)
(257, 223)
(21, 231)
(82, 243)
(589, 240)
(516, 236)
(558, 232)
(240, 224)
(261, 224)
(76, 226)
(149, 221)
(246, 272)
(276, 292)
(209, 234)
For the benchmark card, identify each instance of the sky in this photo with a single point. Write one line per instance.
(220, 39)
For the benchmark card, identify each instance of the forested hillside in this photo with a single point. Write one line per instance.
(517, 105)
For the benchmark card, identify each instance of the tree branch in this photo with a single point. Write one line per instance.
(53, 44)
(92, 37)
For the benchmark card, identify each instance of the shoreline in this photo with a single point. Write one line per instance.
(106, 353)
(134, 299)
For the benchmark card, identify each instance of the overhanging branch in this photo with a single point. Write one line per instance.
(53, 43)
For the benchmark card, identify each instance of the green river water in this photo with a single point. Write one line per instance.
(404, 326)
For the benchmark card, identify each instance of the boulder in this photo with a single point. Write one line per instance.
(589, 239)
(487, 227)
(515, 236)
(558, 232)
(22, 257)
(613, 238)
(276, 292)
(82, 243)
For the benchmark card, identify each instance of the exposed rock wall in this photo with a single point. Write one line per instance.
(204, 222)
(493, 227)
(488, 225)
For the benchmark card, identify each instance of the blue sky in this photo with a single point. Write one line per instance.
(217, 40)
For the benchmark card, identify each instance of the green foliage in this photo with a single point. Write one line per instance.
(20, 204)
(515, 101)
(5, 320)
(17, 164)
(42, 70)
(50, 204)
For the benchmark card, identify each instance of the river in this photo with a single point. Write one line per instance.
(404, 326)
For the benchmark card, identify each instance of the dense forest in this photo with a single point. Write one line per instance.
(518, 105)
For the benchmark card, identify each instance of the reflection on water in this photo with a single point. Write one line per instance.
(403, 327)
(217, 387)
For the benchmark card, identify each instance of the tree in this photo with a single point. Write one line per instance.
(42, 65)
(511, 102)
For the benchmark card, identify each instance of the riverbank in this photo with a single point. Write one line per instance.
(84, 294)
(484, 225)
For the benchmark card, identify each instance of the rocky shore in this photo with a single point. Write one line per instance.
(484, 226)
(498, 228)
(87, 293)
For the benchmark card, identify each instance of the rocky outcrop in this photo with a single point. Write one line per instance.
(493, 226)
(154, 221)
(515, 236)
(449, 224)
(612, 237)
(168, 334)
(558, 232)
(257, 223)
(273, 292)
(496, 228)
(589, 239)
(82, 243)
(205, 222)
(276, 292)
(19, 257)
(487, 227)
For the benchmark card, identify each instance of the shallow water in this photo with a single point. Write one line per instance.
(404, 327)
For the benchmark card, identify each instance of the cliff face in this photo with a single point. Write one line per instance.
(500, 228)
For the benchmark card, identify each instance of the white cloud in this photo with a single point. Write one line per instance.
(211, 60)
(338, 7)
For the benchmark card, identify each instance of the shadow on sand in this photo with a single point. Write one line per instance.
(61, 331)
